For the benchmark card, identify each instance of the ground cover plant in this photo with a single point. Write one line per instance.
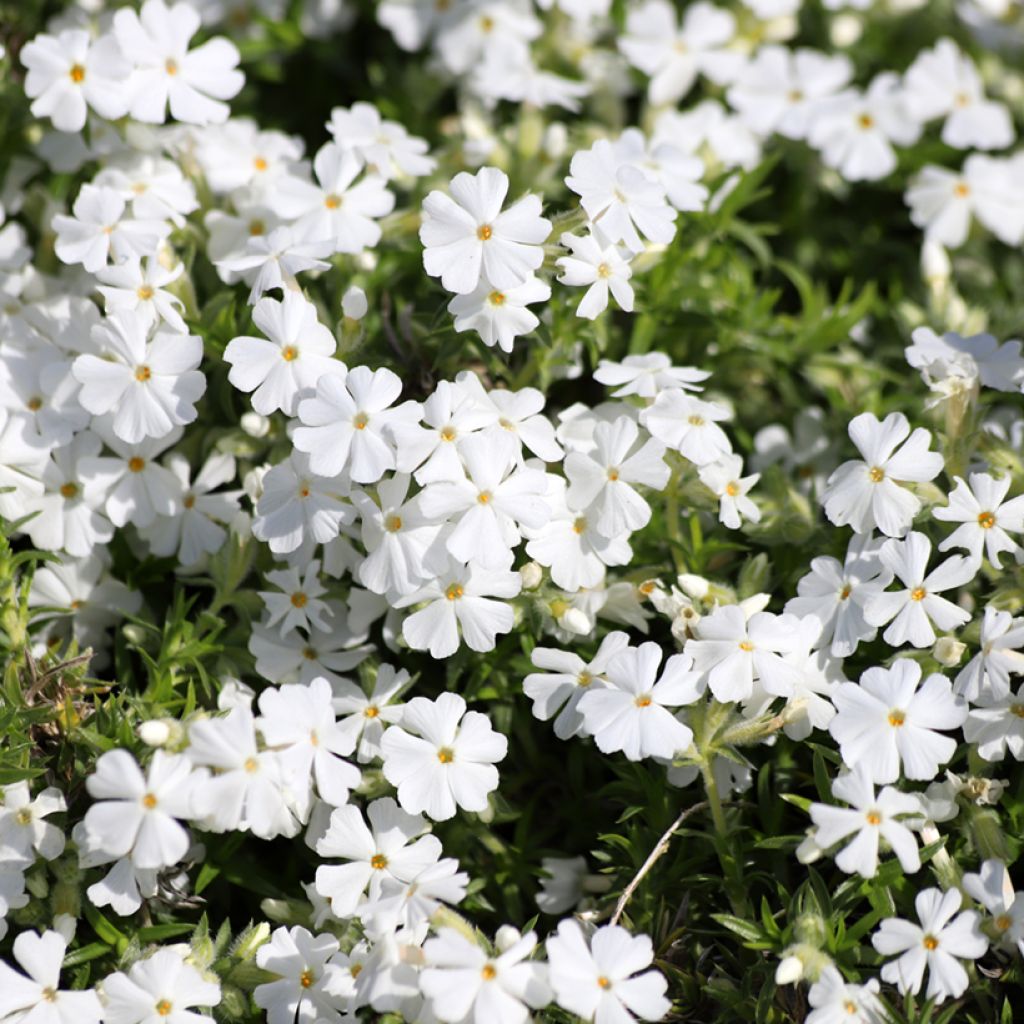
(511, 510)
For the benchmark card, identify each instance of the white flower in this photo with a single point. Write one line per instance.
(601, 268)
(688, 425)
(781, 90)
(287, 366)
(273, 260)
(601, 484)
(299, 721)
(139, 287)
(137, 814)
(835, 1001)
(460, 597)
(442, 757)
(99, 229)
(987, 674)
(836, 594)
(620, 199)
(519, 413)
(409, 905)
(868, 820)
(565, 680)
(992, 888)
(731, 652)
(35, 996)
(463, 983)
(936, 945)
(943, 82)
(345, 424)
(192, 83)
(866, 493)
(672, 54)
(297, 658)
(499, 316)
(71, 72)
(150, 385)
(393, 846)
(855, 131)
(886, 722)
(914, 609)
(338, 207)
(297, 601)
(23, 832)
(647, 375)
(979, 357)
(366, 717)
(466, 236)
(996, 725)
(156, 187)
(385, 147)
(631, 713)
(311, 980)
(987, 518)
(601, 980)
(724, 478)
(162, 987)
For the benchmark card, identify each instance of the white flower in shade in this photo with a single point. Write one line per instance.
(601, 268)
(149, 385)
(392, 846)
(466, 236)
(196, 531)
(647, 375)
(238, 154)
(138, 813)
(836, 594)
(248, 788)
(366, 717)
(442, 757)
(987, 674)
(996, 725)
(855, 131)
(987, 518)
(943, 82)
(35, 997)
(100, 228)
(462, 598)
(601, 483)
(272, 260)
(345, 424)
(600, 980)
(385, 147)
(557, 690)
(297, 600)
(731, 652)
(311, 985)
(463, 983)
(631, 713)
(337, 206)
(191, 83)
(673, 54)
(836, 1001)
(866, 493)
(12, 895)
(670, 163)
(712, 129)
(499, 316)
(410, 905)
(980, 356)
(300, 722)
(868, 820)
(781, 91)
(888, 722)
(156, 187)
(36, 387)
(937, 945)
(23, 458)
(288, 365)
(724, 478)
(24, 832)
(916, 608)
(163, 988)
(992, 888)
(297, 505)
(491, 504)
(688, 425)
(621, 201)
(139, 287)
(71, 72)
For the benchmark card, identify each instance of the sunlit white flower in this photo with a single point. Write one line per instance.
(647, 375)
(311, 981)
(836, 1001)
(987, 518)
(724, 478)
(995, 725)
(499, 316)
(24, 831)
(603, 269)
(161, 987)
(992, 888)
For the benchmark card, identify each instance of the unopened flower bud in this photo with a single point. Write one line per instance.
(948, 651)
(532, 575)
(576, 621)
(154, 733)
(254, 424)
(790, 970)
(354, 304)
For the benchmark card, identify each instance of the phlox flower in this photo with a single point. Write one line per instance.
(273, 259)
(297, 602)
(688, 425)
(724, 478)
(995, 725)
(139, 287)
(980, 356)
(311, 981)
(161, 987)
(519, 413)
(384, 147)
(499, 316)
(987, 674)
(601, 268)
(936, 945)
(24, 831)
(647, 375)
(987, 518)
(835, 1001)
(889, 722)
(442, 757)
(410, 905)
(365, 717)
(156, 187)
(992, 888)
(631, 712)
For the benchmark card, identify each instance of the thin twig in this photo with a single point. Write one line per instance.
(659, 849)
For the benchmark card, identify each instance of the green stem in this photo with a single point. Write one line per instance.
(673, 520)
(732, 875)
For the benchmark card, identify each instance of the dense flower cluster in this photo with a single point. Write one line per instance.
(193, 311)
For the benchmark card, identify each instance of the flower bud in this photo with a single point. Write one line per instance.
(354, 304)
(790, 970)
(154, 733)
(948, 651)
(254, 424)
(575, 621)
(532, 575)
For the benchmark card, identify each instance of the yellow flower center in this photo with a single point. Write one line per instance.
(484, 497)
(251, 765)
(378, 862)
(360, 420)
(613, 475)
(171, 66)
(850, 1006)
(448, 433)
(257, 227)
(310, 653)
(306, 978)
(149, 801)
(865, 121)
(897, 718)
(454, 592)
(393, 524)
(962, 190)
(918, 594)
(304, 491)
(259, 163)
(34, 404)
(142, 374)
(289, 353)
(333, 201)
(484, 232)
(873, 818)
(603, 270)
(371, 711)
(876, 474)
(845, 593)
(446, 755)
(488, 973)
(77, 74)
(1003, 922)
(49, 994)
(163, 1008)
(299, 599)
(987, 520)
(603, 982)
(746, 645)
(189, 501)
(930, 942)
(24, 816)
(643, 702)
(68, 490)
(584, 678)
(144, 292)
(579, 524)
(496, 298)
(732, 488)
(1017, 710)
(136, 464)
(695, 420)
